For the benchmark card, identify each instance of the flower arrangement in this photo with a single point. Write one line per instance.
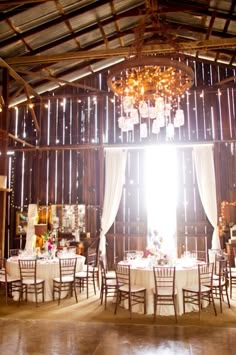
(154, 252)
(155, 249)
(49, 243)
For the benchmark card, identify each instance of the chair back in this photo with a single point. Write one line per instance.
(205, 275)
(102, 267)
(222, 269)
(218, 258)
(93, 249)
(3, 274)
(129, 255)
(67, 267)
(201, 255)
(123, 275)
(164, 278)
(91, 260)
(28, 269)
(13, 252)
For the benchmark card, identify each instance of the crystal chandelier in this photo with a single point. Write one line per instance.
(151, 88)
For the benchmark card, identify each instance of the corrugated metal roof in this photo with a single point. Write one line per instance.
(50, 28)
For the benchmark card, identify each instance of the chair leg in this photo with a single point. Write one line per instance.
(53, 291)
(221, 299)
(227, 296)
(199, 305)
(87, 287)
(175, 310)
(43, 291)
(155, 307)
(59, 295)
(213, 302)
(97, 279)
(130, 306)
(117, 301)
(94, 284)
(144, 304)
(105, 298)
(183, 302)
(36, 294)
(75, 292)
(101, 292)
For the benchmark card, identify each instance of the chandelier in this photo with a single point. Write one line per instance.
(150, 90)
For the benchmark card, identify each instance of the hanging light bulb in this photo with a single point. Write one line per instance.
(151, 88)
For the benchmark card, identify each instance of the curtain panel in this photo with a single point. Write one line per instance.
(115, 166)
(205, 172)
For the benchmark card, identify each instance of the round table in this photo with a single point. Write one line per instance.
(47, 269)
(143, 275)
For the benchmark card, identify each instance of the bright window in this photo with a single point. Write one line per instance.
(161, 197)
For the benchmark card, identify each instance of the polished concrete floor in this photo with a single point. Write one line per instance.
(86, 328)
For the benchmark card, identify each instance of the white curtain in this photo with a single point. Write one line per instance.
(31, 221)
(115, 164)
(205, 172)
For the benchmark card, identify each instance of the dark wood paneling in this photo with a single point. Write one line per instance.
(76, 174)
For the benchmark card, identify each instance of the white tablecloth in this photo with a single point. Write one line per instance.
(185, 276)
(46, 269)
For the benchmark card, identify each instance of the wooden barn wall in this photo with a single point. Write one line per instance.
(193, 228)
(68, 165)
(226, 153)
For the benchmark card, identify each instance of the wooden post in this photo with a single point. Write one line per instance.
(4, 122)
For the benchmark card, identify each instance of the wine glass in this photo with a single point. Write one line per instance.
(139, 254)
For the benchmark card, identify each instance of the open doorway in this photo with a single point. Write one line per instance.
(161, 198)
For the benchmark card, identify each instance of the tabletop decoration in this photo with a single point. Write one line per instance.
(156, 256)
(50, 245)
(45, 245)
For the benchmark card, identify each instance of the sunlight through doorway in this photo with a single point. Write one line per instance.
(161, 198)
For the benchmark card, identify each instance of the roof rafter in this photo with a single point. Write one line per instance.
(115, 17)
(54, 22)
(31, 108)
(18, 78)
(19, 140)
(57, 80)
(126, 51)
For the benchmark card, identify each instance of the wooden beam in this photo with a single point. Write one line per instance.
(16, 94)
(4, 124)
(54, 22)
(19, 140)
(31, 108)
(22, 2)
(16, 10)
(183, 47)
(57, 80)
(227, 80)
(18, 78)
(103, 34)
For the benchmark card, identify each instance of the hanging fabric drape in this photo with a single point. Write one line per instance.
(205, 172)
(31, 221)
(115, 164)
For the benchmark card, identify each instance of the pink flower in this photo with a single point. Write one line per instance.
(49, 246)
(146, 253)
